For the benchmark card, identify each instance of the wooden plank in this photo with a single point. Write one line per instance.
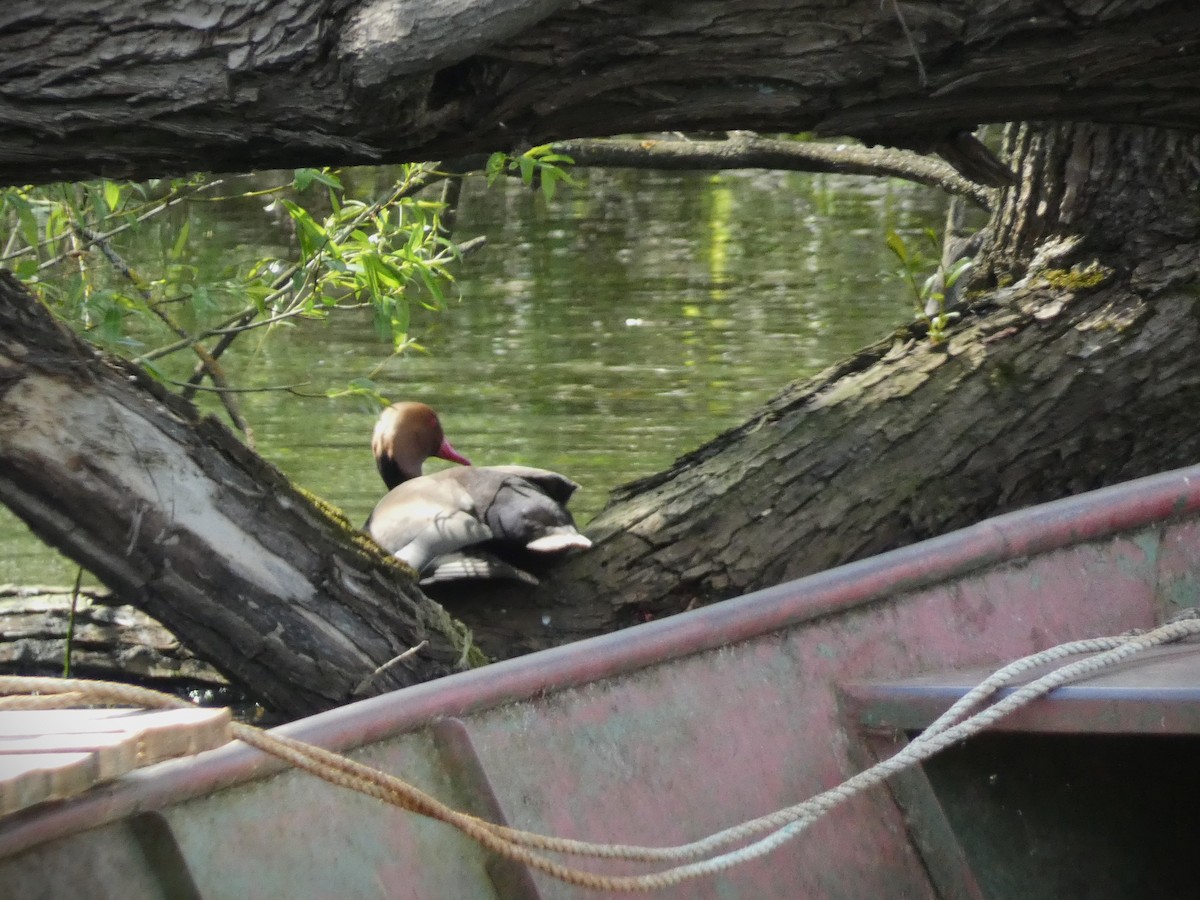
(115, 753)
(33, 778)
(32, 722)
(180, 732)
(54, 754)
(175, 731)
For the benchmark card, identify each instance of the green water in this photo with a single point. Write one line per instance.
(601, 335)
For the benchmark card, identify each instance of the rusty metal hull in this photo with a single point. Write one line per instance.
(656, 735)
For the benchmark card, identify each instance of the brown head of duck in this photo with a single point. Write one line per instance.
(405, 436)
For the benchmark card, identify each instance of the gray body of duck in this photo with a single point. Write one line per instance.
(470, 522)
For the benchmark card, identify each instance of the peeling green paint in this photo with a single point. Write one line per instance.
(1148, 542)
(1183, 593)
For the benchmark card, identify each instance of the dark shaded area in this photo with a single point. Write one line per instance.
(1048, 817)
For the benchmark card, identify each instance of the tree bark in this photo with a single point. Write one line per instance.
(184, 522)
(107, 640)
(1127, 193)
(132, 90)
(1079, 372)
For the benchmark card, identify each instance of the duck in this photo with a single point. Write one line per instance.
(495, 522)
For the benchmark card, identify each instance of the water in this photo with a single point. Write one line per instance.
(601, 335)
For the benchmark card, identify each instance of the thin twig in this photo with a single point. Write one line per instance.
(367, 682)
(290, 388)
(922, 80)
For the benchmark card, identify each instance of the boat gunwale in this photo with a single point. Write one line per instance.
(1125, 507)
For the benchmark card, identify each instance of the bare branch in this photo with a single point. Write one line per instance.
(748, 151)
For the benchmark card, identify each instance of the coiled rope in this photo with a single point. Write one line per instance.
(951, 727)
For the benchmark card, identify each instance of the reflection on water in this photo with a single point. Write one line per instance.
(602, 335)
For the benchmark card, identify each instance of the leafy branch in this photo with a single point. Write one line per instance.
(374, 253)
(930, 295)
(540, 166)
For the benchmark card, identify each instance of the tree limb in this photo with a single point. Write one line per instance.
(96, 91)
(132, 483)
(748, 151)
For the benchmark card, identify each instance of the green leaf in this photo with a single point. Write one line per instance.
(111, 326)
(399, 323)
(527, 165)
(432, 285)
(960, 266)
(381, 273)
(257, 294)
(495, 166)
(112, 194)
(311, 235)
(370, 279)
(328, 179)
(933, 288)
(25, 216)
(896, 244)
(181, 240)
(26, 268)
(56, 222)
(360, 387)
(302, 178)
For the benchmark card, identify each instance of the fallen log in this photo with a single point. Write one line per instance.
(108, 640)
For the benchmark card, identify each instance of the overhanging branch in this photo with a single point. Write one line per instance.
(743, 151)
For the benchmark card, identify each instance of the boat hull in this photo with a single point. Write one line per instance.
(659, 735)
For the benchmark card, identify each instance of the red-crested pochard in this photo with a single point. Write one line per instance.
(473, 522)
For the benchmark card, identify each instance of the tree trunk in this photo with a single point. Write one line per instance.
(132, 90)
(184, 522)
(1079, 372)
(1128, 193)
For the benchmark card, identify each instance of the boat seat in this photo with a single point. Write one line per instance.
(1156, 692)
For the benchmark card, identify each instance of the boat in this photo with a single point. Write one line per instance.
(672, 730)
